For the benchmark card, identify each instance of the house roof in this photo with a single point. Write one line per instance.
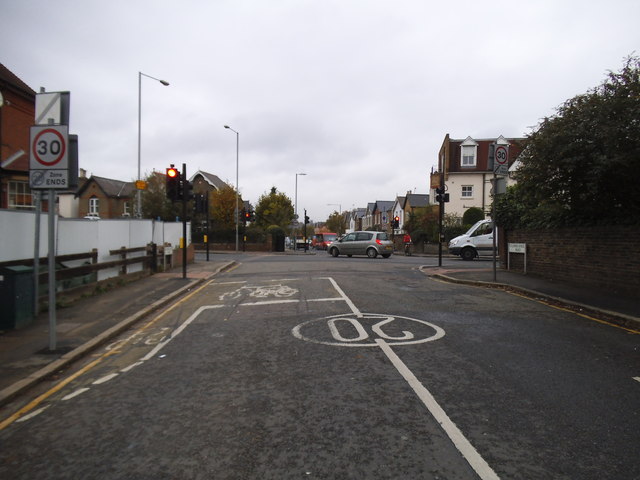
(417, 200)
(383, 205)
(111, 188)
(210, 178)
(10, 78)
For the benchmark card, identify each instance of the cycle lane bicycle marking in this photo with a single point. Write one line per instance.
(355, 320)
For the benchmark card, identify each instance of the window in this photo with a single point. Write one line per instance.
(467, 191)
(125, 212)
(363, 236)
(468, 152)
(94, 206)
(468, 156)
(20, 195)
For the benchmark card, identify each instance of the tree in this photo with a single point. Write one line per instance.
(336, 223)
(222, 207)
(580, 166)
(472, 215)
(274, 209)
(155, 203)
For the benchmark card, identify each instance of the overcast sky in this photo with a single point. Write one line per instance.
(357, 94)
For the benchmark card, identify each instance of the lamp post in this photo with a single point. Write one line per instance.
(237, 185)
(166, 84)
(296, 207)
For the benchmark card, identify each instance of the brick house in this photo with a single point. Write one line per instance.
(106, 198)
(17, 113)
(205, 182)
(468, 172)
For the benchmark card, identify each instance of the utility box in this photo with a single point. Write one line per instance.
(16, 297)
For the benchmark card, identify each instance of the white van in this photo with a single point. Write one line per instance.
(477, 241)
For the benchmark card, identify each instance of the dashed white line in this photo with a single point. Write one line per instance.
(104, 379)
(637, 379)
(32, 414)
(76, 393)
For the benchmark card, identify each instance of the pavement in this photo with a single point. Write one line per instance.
(26, 359)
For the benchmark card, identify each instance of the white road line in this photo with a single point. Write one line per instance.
(76, 393)
(352, 306)
(106, 378)
(268, 302)
(130, 367)
(32, 414)
(637, 379)
(481, 467)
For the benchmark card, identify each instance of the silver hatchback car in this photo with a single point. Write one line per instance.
(370, 244)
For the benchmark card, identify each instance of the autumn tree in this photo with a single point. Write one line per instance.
(222, 207)
(274, 208)
(336, 223)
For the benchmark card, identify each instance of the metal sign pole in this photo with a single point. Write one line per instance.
(52, 270)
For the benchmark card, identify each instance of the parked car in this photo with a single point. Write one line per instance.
(370, 244)
(322, 240)
(478, 240)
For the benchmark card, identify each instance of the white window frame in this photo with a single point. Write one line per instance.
(94, 206)
(467, 191)
(20, 195)
(468, 153)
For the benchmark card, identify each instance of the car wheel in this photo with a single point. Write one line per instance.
(386, 255)
(334, 252)
(349, 255)
(468, 254)
(372, 253)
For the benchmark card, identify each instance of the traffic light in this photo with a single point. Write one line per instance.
(396, 222)
(200, 205)
(173, 183)
(186, 192)
(306, 218)
(441, 196)
(246, 216)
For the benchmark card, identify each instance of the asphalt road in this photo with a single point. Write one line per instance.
(308, 366)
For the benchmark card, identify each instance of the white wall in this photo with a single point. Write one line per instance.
(17, 237)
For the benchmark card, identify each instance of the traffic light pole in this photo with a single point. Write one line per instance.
(184, 221)
(441, 216)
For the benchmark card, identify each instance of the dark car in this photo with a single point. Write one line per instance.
(370, 244)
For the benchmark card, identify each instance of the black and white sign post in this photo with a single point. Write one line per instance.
(49, 170)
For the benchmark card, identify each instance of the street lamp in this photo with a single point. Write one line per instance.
(296, 208)
(166, 84)
(237, 186)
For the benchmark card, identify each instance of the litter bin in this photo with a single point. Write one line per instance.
(16, 297)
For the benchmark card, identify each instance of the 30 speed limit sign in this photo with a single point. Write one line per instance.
(501, 164)
(49, 148)
(49, 157)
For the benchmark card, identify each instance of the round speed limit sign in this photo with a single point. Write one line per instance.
(501, 155)
(49, 147)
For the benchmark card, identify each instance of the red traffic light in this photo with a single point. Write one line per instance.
(172, 172)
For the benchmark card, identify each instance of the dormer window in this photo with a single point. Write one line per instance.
(469, 153)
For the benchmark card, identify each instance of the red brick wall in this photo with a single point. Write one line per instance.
(606, 257)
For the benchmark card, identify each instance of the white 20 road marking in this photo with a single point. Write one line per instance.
(468, 451)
